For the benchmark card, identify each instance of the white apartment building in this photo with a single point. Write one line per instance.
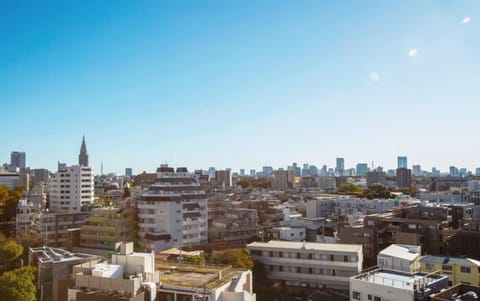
(28, 216)
(71, 188)
(306, 264)
(344, 206)
(390, 285)
(172, 212)
(400, 257)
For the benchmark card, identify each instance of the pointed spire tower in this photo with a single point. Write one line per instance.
(83, 157)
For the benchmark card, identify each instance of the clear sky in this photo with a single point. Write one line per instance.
(240, 84)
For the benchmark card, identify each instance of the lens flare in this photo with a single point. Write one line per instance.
(413, 52)
(466, 20)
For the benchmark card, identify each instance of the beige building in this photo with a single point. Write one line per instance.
(306, 264)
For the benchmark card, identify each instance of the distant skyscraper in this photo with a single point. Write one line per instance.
(18, 159)
(340, 168)
(404, 177)
(362, 169)
(402, 162)
(454, 171)
(128, 172)
(416, 170)
(252, 172)
(83, 157)
(242, 172)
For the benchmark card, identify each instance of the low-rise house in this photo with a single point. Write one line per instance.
(458, 269)
(400, 257)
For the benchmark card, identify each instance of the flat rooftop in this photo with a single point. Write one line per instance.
(397, 279)
(194, 276)
(57, 255)
(294, 245)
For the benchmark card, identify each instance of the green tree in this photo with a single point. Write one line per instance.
(17, 285)
(196, 259)
(11, 253)
(8, 208)
(377, 191)
(237, 258)
(349, 188)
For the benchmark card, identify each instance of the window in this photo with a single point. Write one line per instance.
(332, 258)
(376, 298)
(465, 270)
(446, 267)
(345, 258)
(369, 297)
(356, 295)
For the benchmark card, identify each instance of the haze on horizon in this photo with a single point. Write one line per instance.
(240, 84)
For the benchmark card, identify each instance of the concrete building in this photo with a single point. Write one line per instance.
(345, 206)
(292, 233)
(458, 269)
(404, 177)
(212, 283)
(18, 160)
(236, 227)
(326, 183)
(104, 227)
(54, 227)
(376, 177)
(40, 176)
(128, 172)
(362, 169)
(11, 180)
(340, 167)
(402, 162)
(400, 258)
(281, 179)
(130, 276)
(305, 264)
(71, 188)
(54, 265)
(223, 178)
(172, 212)
(28, 217)
(382, 284)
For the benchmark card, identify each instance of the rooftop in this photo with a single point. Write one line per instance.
(408, 252)
(306, 246)
(398, 279)
(449, 260)
(195, 276)
(56, 255)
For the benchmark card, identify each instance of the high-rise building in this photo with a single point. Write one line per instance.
(71, 188)
(223, 178)
(18, 160)
(252, 172)
(416, 170)
(267, 171)
(242, 172)
(454, 171)
(128, 172)
(83, 156)
(340, 167)
(362, 169)
(41, 175)
(280, 179)
(402, 162)
(172, 212)
(404, 177)
(376, 177)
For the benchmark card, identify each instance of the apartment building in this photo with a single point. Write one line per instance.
(306, 264)
(172, 212)
(106, 226)
(458, 269)
(236, 227)
(28, 217)
(344, 206)
(54, 226)
(382, 285)
(71, 188)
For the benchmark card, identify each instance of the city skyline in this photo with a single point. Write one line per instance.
(240, 86)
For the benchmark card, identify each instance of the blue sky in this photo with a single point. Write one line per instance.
(240, 84)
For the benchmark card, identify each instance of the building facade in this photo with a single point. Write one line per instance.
(71, 188)
(172, 212)
(305, 264)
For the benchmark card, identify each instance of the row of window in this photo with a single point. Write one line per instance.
(326, 257)
(358, 295)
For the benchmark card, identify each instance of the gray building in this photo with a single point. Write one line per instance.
(18, 159)
(376, 177)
